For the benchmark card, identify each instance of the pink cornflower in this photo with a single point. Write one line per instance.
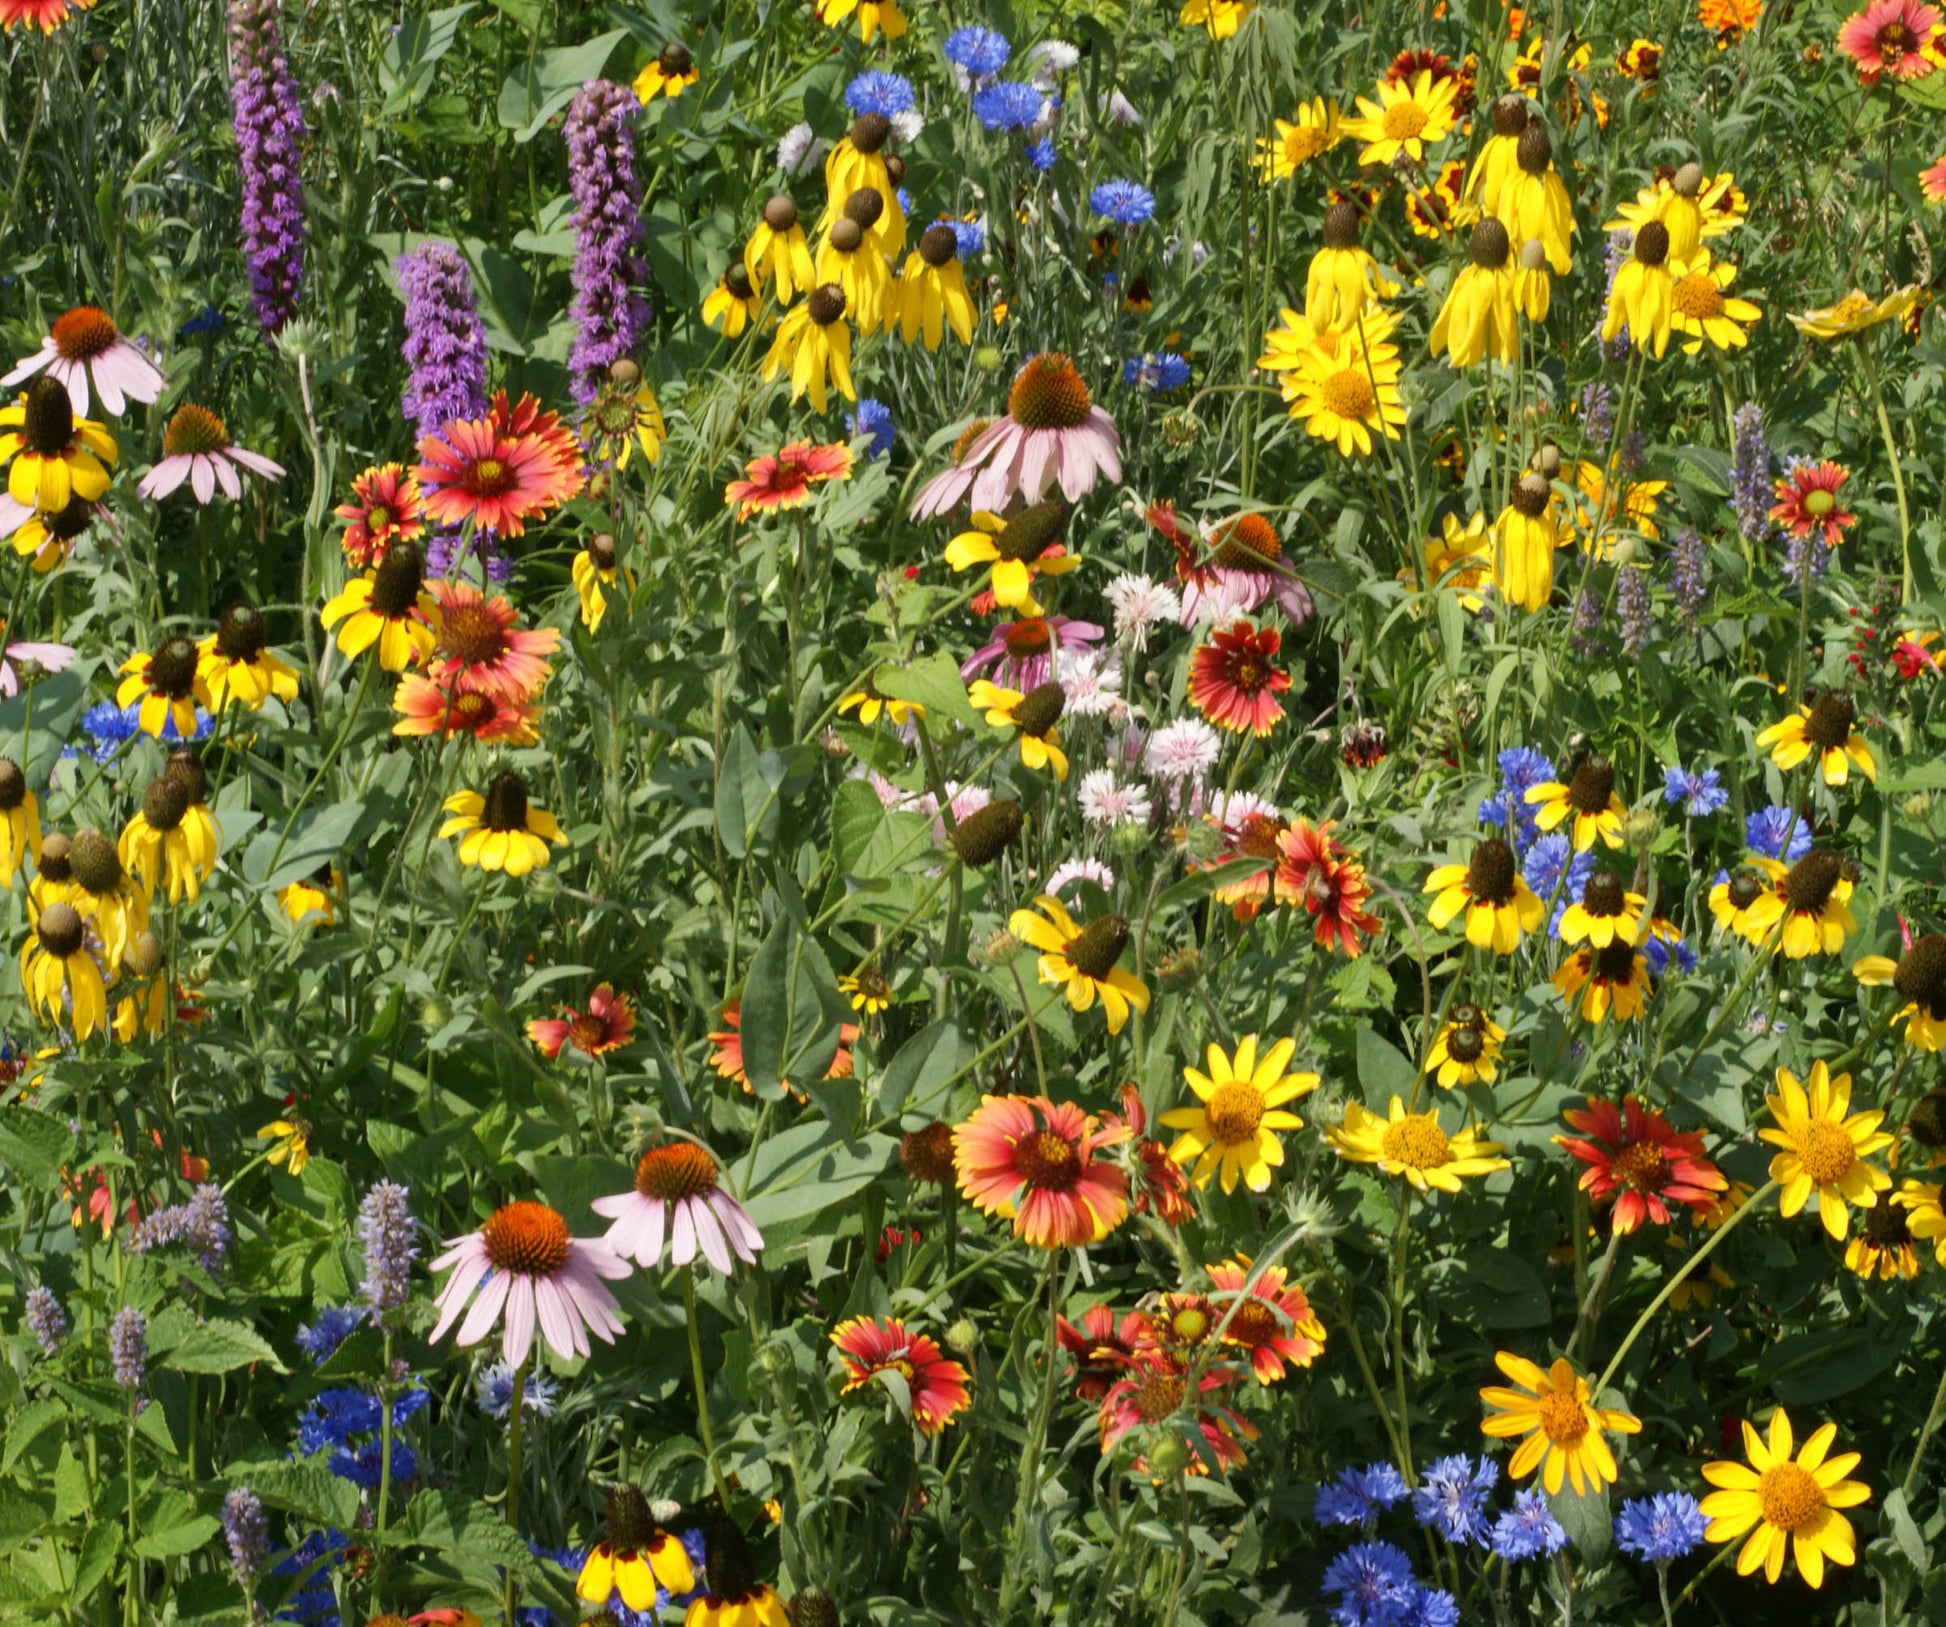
(523, 1262)
(1183, 750)
(84, 344)
(1889, 36)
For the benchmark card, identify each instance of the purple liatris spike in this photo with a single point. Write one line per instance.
(128, 1347)
(445, 341)
(46, 1320)
(1597, 412)
(390, 1240)
(609, 310)
(1632, 610)
(246, 1533)
(1686, 561)
(1750, 473)
(269, 124)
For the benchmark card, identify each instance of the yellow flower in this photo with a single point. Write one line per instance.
(813, 342)
(48, 539)
(1824, 1148)
(1456, 560)
(1701, 309)
(292, 1143)
(1596, 513)
(623, 416)
(1024, 545)
(868, 703)
(172, 837)
(1853, 314)
(1786, 1502)
(1810, 899)
(1031, 716)
(733, 300)
(388, 607)
(1925, 1205)
(1525, 538)
(1318, 129)
(1346, 385)
(315, 894)
(874, 17)
(54, 455)
(56, 961)
(1467, 1049)
(1342, 277)
(1532, 203)
(932, 293)
(1405, 118)
(1919, 977)
(1693, 208)
(1478, 316)
(595, 571)
(868, 990)
(849, 261)
(142, 1013)
(1533, 286)
(1233, 1132)
(1499, 905)
(20, 823)
(1499, 159)
(1287, 344)
(92, 878)
(1604, 913)
(1643, 293)
(1589, 795)
(1824, 727)
(668, 74)
(1731, 901)
(855, 164)
(1566, 1432)
(169, 685)
(1612, 979)
(1217, 18)
(236, 665)
(777, 250)
(1885, 1246)
(1082, 958)
(1413, 1145)
(500, 830)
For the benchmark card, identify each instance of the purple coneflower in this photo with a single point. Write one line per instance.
(679, 1196)
(523, 1262)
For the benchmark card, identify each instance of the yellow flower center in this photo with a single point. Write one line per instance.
(1404, 120)
(1564, 1420)
(1304, 143)
(1047, 1161)
(1849, 309)
(1157, 1396)
(1416, 1142)
(1790, 1498)
(1826, 1152)
(1819, 503)
(1348, 393)
(1189, 1326)
(1639, 1166)
(1234, 1112)
(1698, 297)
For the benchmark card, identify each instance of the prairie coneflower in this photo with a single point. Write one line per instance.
(678, 1197)
(1918, 977)
(607, 1025)
(58, 971)
(857, 162)
(196, 447)
(236, 665)
(634, 1558)
(1232, 1132)
(52, 454)
(1642, 294)
(387, 606)
(777, 253)
(1318, 128)
(1032, 1161)
(85, 344)
(932, 290)
(1525, 539)
(595, 571)
(480, 648)
(500, 830)
(734, 1597)
(1822, 729)
(1414, 1147)
(1855, 313)
(1589, 795)
(1890, 36)
(1807, 501)
(1234, 679)
(1343, 278)
(1533, 201)
(1083, 959)
(449, 709)
(1478, 316)
(172, 837)
(1639, 1166)
(1498, 903)
(1499, 159)
(1019, 547)
(814, 345)
(1824, 1146)
(670, 72)
(852, 262)
(94, 880)
(1467, 1049)
(1565, 1432)
(169, 685)
(1031, 716)
(783, 479)
(733, 303)
(935, 1388)
(527, 1268)
(1272, 1319)
(1406, 118)
(20, 822)
(1344, 387)
(500, 471)
(1788, 1502)
(1700, 307)
(1052, 434)
(386, 506)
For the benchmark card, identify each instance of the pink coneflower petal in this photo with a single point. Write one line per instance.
(485, 1309)
(518, 1338)
(682, 1240)
(557, 1326)
(709, 1234)
(202, 477)
(164, 478)
(256, 463)
(228, 478)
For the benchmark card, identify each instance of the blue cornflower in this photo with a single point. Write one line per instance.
(971, 237)
(360, 1464)
(208, 320)
(315, 1603)
(1041, 154)
(1764, 832)
(1008, 105)
(978, 49)
(1701, 793)
(334, 1416)
(872, 418)
(331, 1329)
(905, 201)
(1359, 1496)
(1659, 951)
(1160, 372)
(1452, 1496)
(494, 1389)
(1123, 202)
(1373, 1583)
(111, 727)
(1521, 769)
(1663, 1527)
(1527, 1530)
(1431, 1607)
(876, 91)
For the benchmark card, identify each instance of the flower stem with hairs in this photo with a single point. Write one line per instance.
(702, 1387)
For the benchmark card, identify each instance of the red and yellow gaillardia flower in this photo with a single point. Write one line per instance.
(1103, 1349)
(1890, 37)
(501, 830)
(1155, 1391)
(1082, 959)
(386, 506)
(1499, 904)
(783, 479)
(480, 648)
(1315, 871)
(425, 707)
(1232, 1132)
(1823, 728)
(498, 472)
(607, 1025)
(1639, 1165)
(1823, 1146)
(1234, 679)
(1565, 1432)
(1787, 1502)
(935, 1387)
(1414, 1147)
(1807, 501)
(1270, 1318)
(1032, 1161)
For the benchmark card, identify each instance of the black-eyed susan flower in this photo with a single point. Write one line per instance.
(596, 573)
(1598, 512)
(314, 895)
(1703, 309)
(501, 830)
(734, 302)
(1642, 294)
(931, 293)
(734, 1596)
(670, 72)
(1824, 1147)
(1787, 1503)
(1344, 386)
(1608, 981)
(1219, 19)
(1884, 1247)
(1499, 159)
(1919, 979)
(851, 262)
(1565, 1433)
(1082, 959)
(869, 991)
(778, 254)
(52, 455)
(20, 822)
(172, 839)
(48, 539)
(1855, 313)
(1407, 117)
(236, 664)
(1809, 900)
(1525, 538)
(1605, 913)
(634, 1557)
(1640, 60)
(1023, 545)
(388, 606)
(1499, 904)
(1414, 1147)
(935, 1388)
(624, 418)
(1732, 900)
(1031, 716)
(1477, 317)
(857, 161)
(1033, 1162)
(813, 344)
(1824, 729)
(58, 969)
(143, 1012)
(1232, 1131)
(1467, 1049)
(1459, 558)
(1533, 200)
(870, 705)
(1318, 128)
(1589, 796)
(1343, 278)
(169, 685)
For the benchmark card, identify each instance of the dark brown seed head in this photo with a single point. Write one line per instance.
(938, 245)
(1829, 725)
(1467, 1015)
(1341, 225)
(1536, 149)
(1613, 964)
(165, 802)
(506, 803)
(630, 1526)
(1592, 787)
(737, 279)
(54, 865)
(846, 235)
(1491, 873)
(927, 1155)
(1510, 115)
(1489, 246)
(1652, 243)
(983, 835)
(895, 169)
(1027, 534)
(185, 767)
(1530, 495)
(96, 865)
(1100, 945)
(1808, 883)
(1037, 711)
(240, 633)
(399, 580)
(1745, 889)
(1928, 1120)
(1466, 1045)
(813, 1608)
(48, 421)
(59, 930)
(780, 214)
(826, 304)
(13, 785)
(1921, 977)
(601, 551)
(726, 1554)
(869, 132)
(1887, 1226)
(675, 59)
(1603, 895)
(865, 206)
(172, 669)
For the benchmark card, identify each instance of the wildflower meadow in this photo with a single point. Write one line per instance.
(972, 812)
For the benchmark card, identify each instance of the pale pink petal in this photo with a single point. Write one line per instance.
(1039, 462)
(941, 494)
(129, 372)
(470, 1246)
(54, 657)
(559, 1325)
(257, 463)
(75, 376)
(682, 1242)
(485, 1310)
(598, 1257)
(12, 515)
(709, 1233)
(9, 680)
(165, 477)
(616, 1203)
(518, 1339)
(226, 474)
(1108, 443)
(28, 366)
(202, 476)
(650, 1253)
(744, 1237)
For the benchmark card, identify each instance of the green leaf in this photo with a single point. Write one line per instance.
(535, 91)
(27, 1426)
(1586, 1519)
(791, 1014)
(454, 1523)
(924, 1067)
(309, 1490)
(216, 1346)
(317, 836)
(1897, 1519)
(1502, 1291)
(1383, 1072)
(99, 1549)
(405, 67)
(808, 1169)
(933, 682)
(871, 841)
(751, 787)
(34, 1145)
(171, 1525)
(1199, 884)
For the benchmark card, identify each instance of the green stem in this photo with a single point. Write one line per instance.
(1030, 1450)
(1925, 1435)
(1898, 478)
(513, 1477)
(384, 1479)
(1400, 1239)
(702, 1387)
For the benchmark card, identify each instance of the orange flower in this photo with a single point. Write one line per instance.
(1102, 1348)
(1234, 681)
(500, 471)
(1155, 1392)
(935, 1386)
(1273, 1321)
(1315, 871)
(1032, 1161)
(607, 1025)
(784, 479)
(726, 1049)
(480, 649)
(425, 707)
(386, 505)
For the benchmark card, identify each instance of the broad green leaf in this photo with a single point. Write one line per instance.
(925, 1065)
(317, 836)
(308, 1489)
(791, 1012)
(933, 681)
(219, 1346)
(1383, 1072)
(405, 66)
(809, 1169)
(34, 1145)
(27, 1426)
(1199, 884)
(871, 841)
(171, 1525)
(535, 91)
(1586, 1518)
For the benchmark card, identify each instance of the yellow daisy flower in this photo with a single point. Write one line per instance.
(58, 972)
(315, 894)
(52, 455)
(1499, 905)
(623, 416)
(501, 830)
(1217, 18)
(1233, 1133)
(169, 685)
(1700, 307)
(1824, 1148)
(389, 607)
(1319, 128)
(868, 991)
(931, 294)
(733, 303)
(1919, 978)
(1525, 539)
(237, 666)
(1824, 727)
(20, 823)
(1405, 119)
(1643, 292)
(1533, 203)
(172, 837)
(851, 262)
(814, 343)
(1695, 208)
(1596, 513)
(1345, 386)
(1478, 316)
(1082, 958)
(1565, 1431)
(1589, 795)
(1020, 547)
(669, 73)
(1414, 1147)
(1732, 900)
(597, 573)
(1342, 278)
(1499, 159)
(1924, 1203)
(1853, 314)
(874, 17)
(1605, 913)
(1031, 716)
(870, 705)
(1612, 979)
(1885, 1246)
(778, 252)
(292, 1138)
(1786, 1502)
(1467, 1049)
(1456, 559)
(1809, 899)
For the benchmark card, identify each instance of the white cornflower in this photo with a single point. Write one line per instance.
(1186, 749)
(1091, 680)
(1140, 604)
(1081, 870)
(1106, 801)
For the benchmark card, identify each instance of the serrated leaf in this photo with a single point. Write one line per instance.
(220, 1346)
(34, 1145)
(27, 1426)
(309, 1490)
(171, 1524)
